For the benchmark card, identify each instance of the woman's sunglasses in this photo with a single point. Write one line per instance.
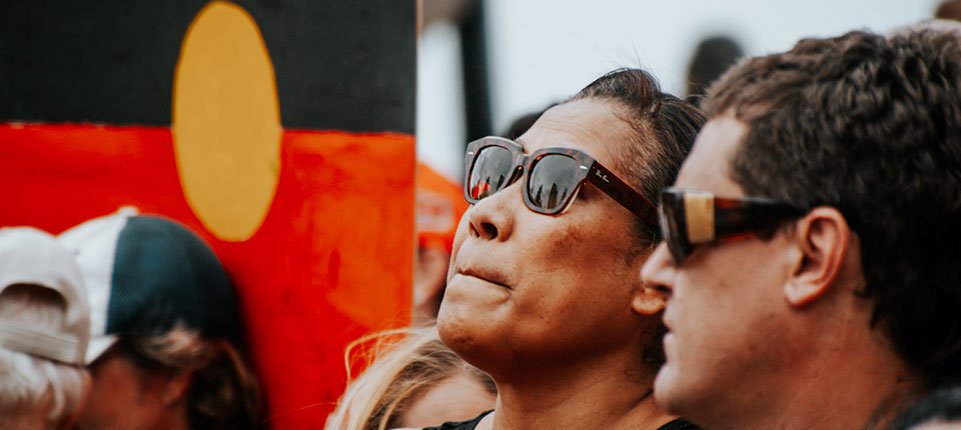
(691, 217)
(552, 177)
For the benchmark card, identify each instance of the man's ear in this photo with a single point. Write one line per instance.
(822, 237)
(648, 300)
(176, 386)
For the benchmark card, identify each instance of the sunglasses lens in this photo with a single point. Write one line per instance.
(493, 167)
(553, 180)
(669, 212)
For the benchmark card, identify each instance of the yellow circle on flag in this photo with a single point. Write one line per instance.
(226, 122)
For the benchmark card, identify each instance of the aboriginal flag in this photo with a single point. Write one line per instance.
(279, 130)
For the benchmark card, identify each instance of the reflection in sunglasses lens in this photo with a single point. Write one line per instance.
(492, 168)
(552, 180)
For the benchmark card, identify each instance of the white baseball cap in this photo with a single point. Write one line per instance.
(29, 256)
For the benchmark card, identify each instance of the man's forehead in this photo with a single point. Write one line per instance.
(708, 165)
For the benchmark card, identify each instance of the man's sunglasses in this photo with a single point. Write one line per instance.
(552, 177)
(691, 217)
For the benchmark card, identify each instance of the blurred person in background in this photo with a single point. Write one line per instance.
(412, 382)
(440, 204)
(811, 238)
(164, 351)
(44, 329)
(521, 124)
(949, 9)
(712, 57)
(544, 289)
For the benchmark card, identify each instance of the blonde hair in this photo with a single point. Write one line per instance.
(28, 384)
(401, 365)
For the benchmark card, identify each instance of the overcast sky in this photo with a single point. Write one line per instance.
(544, 50)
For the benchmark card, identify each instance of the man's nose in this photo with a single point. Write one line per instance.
(658, 271)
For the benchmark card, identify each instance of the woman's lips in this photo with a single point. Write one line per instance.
(489, 277)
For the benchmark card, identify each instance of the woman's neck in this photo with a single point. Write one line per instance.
(599, 395)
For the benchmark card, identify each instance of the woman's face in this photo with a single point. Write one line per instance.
(526, 289)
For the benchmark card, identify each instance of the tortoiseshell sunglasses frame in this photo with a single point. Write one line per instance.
(692, 217)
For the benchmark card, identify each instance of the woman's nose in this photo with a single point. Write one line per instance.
(492, 218)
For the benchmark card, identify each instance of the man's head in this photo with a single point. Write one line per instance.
(533, 290)
(166, 333)
(44, 328)
(862, 134)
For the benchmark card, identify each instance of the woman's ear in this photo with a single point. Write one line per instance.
(822, 237)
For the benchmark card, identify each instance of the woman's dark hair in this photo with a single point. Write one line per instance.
(664, 131)
(665, 128)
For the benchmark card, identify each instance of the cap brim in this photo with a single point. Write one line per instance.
(97, 346)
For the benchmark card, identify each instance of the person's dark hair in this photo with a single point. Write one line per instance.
(665, 128)
(942, 405)
(949, 9)
(223, 393)
(872, 127)
(712, 57)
